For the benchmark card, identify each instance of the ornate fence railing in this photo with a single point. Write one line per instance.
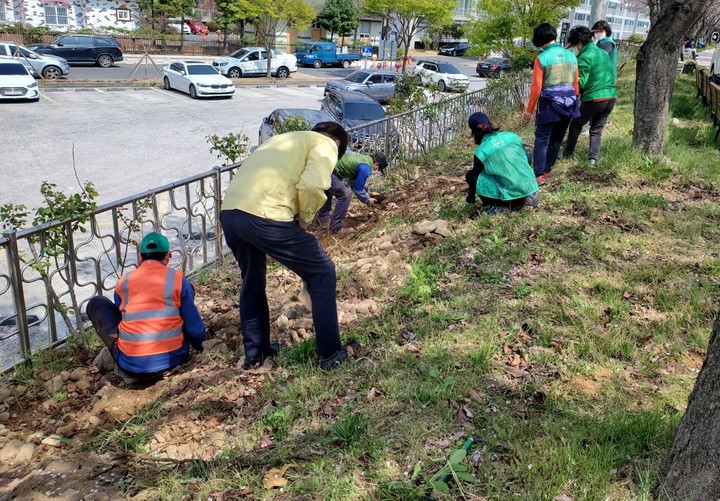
(41, 295)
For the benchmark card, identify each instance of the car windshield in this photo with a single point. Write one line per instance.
(201, 69)
(361, 111)
(493, 60)
(357, 77)
(448, 68)
(239, 53)
(12, 69)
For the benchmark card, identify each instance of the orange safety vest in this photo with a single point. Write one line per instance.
(150, 306)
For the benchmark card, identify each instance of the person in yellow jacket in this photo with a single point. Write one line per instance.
(153, 319)
(274, 194)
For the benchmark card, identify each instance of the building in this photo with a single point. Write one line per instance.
(66, 15)
(625, 19)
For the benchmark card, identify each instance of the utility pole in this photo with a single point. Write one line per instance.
(598, 10)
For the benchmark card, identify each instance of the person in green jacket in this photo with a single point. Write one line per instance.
(603, 35)
(349, 176)
(597, 91)
(501, 175)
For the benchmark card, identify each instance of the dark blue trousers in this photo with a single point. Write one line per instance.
(548, 139)
(251, 240)
(343, 195)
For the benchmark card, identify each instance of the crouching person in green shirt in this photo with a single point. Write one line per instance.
(501, 175)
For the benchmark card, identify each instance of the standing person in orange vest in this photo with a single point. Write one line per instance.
(153, 320)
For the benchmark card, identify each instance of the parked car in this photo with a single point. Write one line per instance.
(253, 61)
(319, 54)
(197, 27)
(355, 109)
(50, 67)
(493, 66)
(16, 82)
(378, 84)
(454, 49)
(444, 75)
(176, 28)
(275, 122)
(197, 79)
(103, 51)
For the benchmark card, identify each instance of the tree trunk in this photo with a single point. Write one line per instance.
(656, 70)
(694, 462)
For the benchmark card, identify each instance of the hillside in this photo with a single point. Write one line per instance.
(564, 339)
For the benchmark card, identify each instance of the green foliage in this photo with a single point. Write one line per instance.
(454, 468)
(132, 436)
(231, 147)
(349, 430)
(171, 8)
(409, 17)
(339, 16)
(274, 16)
(279, 422)
(409, 94)
(290, 124)
(232, 11)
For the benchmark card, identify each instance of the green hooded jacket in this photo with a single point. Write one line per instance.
(596, 76)
(608, 45)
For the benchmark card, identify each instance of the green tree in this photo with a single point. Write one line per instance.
(274, 16)
(408, 17)
(339, 16)
(503, 21)
(235, 12)
(181, 8)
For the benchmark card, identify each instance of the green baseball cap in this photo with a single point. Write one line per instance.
(154, 242)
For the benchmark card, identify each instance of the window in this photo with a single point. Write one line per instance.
(2, 11)
(389, 78)
(629, 23)
(56, 15)
(375, 78)
(123, 14)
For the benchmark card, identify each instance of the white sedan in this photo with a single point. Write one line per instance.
(253, 61)
(16, 82)
(197, 79)
(444, 75)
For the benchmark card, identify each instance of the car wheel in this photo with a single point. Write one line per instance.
(282, 72)
(442, 87)
(317, 64)
(166, 84)
(346, 64)
(51, 72)
(498, 73)
(234, 73)
(453, 53)
(105, 61)
(192, 91)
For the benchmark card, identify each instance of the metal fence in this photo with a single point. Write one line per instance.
(39, 292)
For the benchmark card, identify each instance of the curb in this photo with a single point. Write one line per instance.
(79, 85)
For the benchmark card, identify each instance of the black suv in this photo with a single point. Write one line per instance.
(103, 51)
(454, 49)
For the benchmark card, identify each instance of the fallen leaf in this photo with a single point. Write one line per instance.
(563, 497)
(633, 371)
(464, 414)
(516, 372)
(266, 441)
(328, 411)
(373, 394)
(274, 477)
(673, 366)
(477, 395)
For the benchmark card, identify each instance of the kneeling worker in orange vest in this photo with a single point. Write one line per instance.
(153, 319)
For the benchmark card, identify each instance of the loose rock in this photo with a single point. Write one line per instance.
(10, 450)
(442, 228)
(282, 322)
(78, 374)
(5, 393)
(53, 441)
(215, 346)
(424, 227)
(55, 384)
(104, 360)
(25, 453)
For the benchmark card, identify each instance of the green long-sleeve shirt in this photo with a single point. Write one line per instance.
(596, 74)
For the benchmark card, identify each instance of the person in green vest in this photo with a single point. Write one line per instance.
(501, 175)
(350, 176)
(603, 35)
(597, 91)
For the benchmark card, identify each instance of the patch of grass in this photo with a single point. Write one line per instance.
(348, 430)
(279, 422)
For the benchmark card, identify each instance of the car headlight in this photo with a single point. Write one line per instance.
(222, 64)
(310, 56)
(32, 85)
(203, 85)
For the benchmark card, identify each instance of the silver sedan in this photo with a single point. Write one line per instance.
(378, 84)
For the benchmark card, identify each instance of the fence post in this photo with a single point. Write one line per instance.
(18, 294)
(218, 205)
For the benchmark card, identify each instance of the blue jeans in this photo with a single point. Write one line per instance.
(252, 239)
(548, 139)
(343, 195)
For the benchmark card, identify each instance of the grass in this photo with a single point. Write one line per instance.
(560, 338)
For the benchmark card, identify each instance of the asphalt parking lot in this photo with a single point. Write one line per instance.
(125, 140)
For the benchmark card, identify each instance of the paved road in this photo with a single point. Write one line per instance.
(126, 140)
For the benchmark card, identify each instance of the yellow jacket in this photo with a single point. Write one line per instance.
(285, 176)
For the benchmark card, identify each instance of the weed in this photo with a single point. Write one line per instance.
(279, 422)
(348, 430)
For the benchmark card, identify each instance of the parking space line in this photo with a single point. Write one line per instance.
(167, 93)
(42, 94)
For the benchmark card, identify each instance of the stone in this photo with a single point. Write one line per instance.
(366, 307)
(55, 384)
(215, 346)
(385, 245)
(4, 417)
(35, 437)
(442, 228)
(424, 227)
(71, 495)
(282, 322)
(53, 441)
(393, 256)
(25, 453)
(95, 421)
(67, 430)
(46, 375)
(5, 393)
(84, 383)
(8, 453)
(20, 390)
(104, 360)
(392, 205)
(65, 375)
(365, 262)
(78, 374)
